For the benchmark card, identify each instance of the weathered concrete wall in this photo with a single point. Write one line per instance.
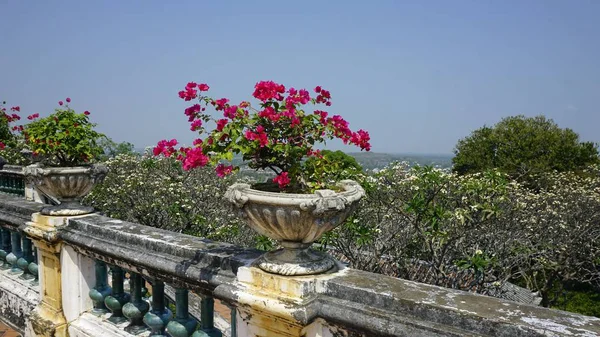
(17, 299)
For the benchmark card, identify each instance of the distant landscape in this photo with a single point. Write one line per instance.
(371, 160)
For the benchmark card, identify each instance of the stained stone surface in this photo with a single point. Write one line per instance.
(17, 299)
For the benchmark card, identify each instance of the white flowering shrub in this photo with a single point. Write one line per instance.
(475, 232)
(471, 232)
(157, 192)
(560, 232)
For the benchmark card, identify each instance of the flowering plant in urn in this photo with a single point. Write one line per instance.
(12, 143)
(68, 145)
(276, 133)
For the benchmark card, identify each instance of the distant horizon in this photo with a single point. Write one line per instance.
(142, 149)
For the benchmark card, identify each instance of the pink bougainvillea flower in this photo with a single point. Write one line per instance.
(192, 112)
(322, 115)
(33, 116)
(250, 135)
(196, 125)
(361, 139)
(221, 124)
(230, 111)
(167, 148)
(2, 146)
(68, 100)
(189, 93)
(203, 87)
(16, 108)
(60, 103)
(220, 104)
(87, 113)
(266, 90)
(282, 179)
(194, 157)
(223, 170)
(263, 139)
(314, 153)
(270, 113)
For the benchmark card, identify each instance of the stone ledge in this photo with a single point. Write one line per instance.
(194, 263)
(358, 297)
(373, 305)
(17, 299)
(16, 211)
(88, 325)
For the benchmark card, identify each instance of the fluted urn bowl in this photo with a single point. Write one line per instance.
(68, 185)
(295, 221)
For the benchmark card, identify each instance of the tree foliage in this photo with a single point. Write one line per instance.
(113, 149)
(330, 168)
(521, 146)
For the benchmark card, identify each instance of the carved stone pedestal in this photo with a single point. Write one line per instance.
(270, 305)
(48, 318)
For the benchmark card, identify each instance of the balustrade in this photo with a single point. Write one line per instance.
(348, 303)
(12, 182)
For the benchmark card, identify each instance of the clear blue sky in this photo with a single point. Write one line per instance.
(418, 75)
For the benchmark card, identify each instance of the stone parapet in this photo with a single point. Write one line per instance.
(347, 302)
(178, 259)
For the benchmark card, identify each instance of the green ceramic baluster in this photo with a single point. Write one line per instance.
(119, 297)
(26, 259)
(207, 327)
(137, 308)
(183, 325)
(158, 318)
(16, 253)
(101, 289)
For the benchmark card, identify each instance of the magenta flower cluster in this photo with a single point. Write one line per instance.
(276, 135)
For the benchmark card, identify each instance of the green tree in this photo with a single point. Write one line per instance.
(522, 146)
(113, 149)
(331, 167)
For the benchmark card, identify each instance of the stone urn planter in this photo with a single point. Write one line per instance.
(295, 221)
(68, 185)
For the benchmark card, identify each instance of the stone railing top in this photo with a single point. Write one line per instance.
(196, 263)
(16, 211)
(379, 302)
(12, 169)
